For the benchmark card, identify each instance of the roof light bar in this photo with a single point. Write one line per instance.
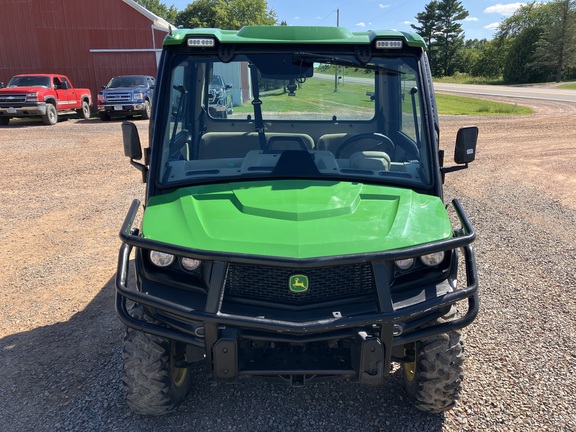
(389, 44)
(201, 42)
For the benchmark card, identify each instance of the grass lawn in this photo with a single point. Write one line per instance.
(353, 96)
(459, 105)
(569, 86)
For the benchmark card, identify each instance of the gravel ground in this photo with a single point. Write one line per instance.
(65, 192)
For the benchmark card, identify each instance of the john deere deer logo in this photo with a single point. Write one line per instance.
(298, 283)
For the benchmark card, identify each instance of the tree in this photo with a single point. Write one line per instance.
(440, 28)
(226, 14)
(160, 9)
(556, 47)
(490, 61)
(540, 42)
(450, 37)
(428, 27)
(520, 54)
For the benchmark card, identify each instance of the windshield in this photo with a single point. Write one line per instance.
(29, 81)
(127, 81)
(298, 114)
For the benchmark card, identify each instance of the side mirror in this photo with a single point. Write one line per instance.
(466, 139)
(465, 151)
(133, 148)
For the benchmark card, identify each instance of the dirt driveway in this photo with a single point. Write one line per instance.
(65, 190)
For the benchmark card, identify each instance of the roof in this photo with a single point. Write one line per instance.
(292, 34)
(156, 20)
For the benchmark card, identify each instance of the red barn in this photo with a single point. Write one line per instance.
(90, 41)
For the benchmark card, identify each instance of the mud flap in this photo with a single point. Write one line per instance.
(368, 358)
(225, 354)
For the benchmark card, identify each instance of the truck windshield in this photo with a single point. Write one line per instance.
(296, 114)
(29, 81)
(127, 81)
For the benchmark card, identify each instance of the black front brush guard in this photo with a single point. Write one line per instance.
(387, 317)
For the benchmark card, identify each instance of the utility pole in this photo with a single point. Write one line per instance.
(336, 66)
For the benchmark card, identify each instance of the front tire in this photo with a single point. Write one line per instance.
(153, 383)
(51, 116)
(4, 121)
(84, 112)
(147, 110)
(433, 380)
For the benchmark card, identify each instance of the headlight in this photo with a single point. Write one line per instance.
(161, 259)
(101, 98)
(190, 264)
(138, 95)
(404, 264)
(433, 259)
(32, 97)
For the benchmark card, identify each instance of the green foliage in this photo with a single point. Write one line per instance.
(556, 48)
(537, 43)
(428, 22)
(160, 9)
(540, 40)
(450, 37)
(520, 55)
(441, 29)
(226, 14)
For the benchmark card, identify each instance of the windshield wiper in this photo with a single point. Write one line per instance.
(321, 58)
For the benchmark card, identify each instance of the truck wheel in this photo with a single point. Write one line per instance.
(84, 113)
(51, 116)
(4, 121)
(433, 380)
(147, 109)
(153, 383)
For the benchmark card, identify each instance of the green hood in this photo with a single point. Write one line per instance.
(295, 218)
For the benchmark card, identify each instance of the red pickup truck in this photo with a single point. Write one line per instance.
(43, 95)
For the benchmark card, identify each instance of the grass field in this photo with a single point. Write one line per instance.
(353, 96)
(459, 105)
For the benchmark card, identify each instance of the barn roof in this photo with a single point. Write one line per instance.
(156, 20)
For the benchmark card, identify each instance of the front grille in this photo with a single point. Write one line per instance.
(10, 100)
(119, 97)
(254, 283)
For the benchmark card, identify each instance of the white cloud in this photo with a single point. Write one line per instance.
(407, 22)
(383, 6)
(493, 26)
(504, 9)
(360, 24)
(471, 19)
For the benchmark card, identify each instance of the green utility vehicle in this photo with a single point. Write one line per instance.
(303, 236)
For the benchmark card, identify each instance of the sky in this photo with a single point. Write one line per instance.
(361, 15)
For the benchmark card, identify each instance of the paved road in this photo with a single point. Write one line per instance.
(544, 92)
(538, 91)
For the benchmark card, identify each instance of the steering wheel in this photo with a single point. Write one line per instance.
(384, 144)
